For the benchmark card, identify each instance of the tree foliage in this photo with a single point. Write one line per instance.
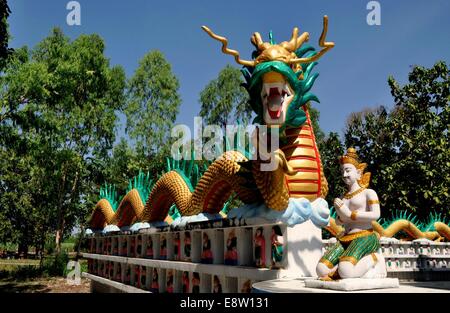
(122, 165)
(57, 119)
(407, 149)
(224, 100)
(152, 105)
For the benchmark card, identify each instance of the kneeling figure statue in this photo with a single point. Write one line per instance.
(355, 254)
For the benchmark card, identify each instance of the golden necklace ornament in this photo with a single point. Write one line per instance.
(354, 193)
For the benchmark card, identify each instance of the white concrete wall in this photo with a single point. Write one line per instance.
(231, 285)
(304, 249)
(205, 283)
(177, 281)
(245, 246)
(162, 280)
(222, 280)
(196, 245)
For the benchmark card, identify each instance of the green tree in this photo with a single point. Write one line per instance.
(59, 101)
(224, 100)
(19, 173)
(369, 132)
(407, 149)
(19, 218)
(123, 165)
(152, 106)
(421, 120)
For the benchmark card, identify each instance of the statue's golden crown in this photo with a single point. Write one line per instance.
(351, 157)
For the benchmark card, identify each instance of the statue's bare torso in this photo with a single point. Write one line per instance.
(359, 203)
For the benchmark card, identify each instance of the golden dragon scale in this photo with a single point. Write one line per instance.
(305, 180)
(303, 156)
(128, 211)
(102, 215)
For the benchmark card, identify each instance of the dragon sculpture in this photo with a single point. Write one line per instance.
(278, 79)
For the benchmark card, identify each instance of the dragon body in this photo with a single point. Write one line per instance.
(300, 174)
(303, 156)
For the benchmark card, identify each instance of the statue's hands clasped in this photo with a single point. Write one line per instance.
(338, 203)
(342, 210)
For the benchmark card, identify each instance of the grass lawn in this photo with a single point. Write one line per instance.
(12, 263)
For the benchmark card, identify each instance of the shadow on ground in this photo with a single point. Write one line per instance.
(27, 287)
(43, 285)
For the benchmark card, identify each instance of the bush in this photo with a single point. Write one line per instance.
(56, 265)
(84, 266)
(8, 246)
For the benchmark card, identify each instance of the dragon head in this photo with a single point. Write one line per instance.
(279, 77)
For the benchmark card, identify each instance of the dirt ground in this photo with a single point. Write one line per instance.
(44, 285)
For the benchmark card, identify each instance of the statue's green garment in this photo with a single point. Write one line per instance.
(352, 250)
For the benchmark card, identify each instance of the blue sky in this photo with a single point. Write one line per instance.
(353, 75)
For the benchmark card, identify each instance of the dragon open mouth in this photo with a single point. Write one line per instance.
(275, 101)
(274, 96)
